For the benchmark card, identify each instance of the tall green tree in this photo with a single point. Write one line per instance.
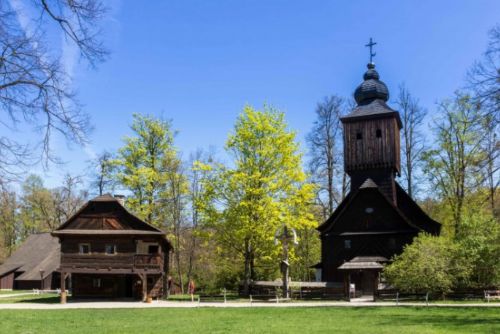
(173, 203)
(141, 165)
(265, 186)
(453, 163)
(9, 228)
(38, 210)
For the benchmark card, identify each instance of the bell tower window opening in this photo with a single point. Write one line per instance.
(378, 133)
(359, 136)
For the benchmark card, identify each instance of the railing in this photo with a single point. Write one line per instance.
(117, 261)
(148, 261)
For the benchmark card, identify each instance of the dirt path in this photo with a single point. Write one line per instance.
(170, 304)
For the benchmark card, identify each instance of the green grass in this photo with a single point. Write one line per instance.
(400, 320)
(45, 298)
(181, 297)
(11, 292)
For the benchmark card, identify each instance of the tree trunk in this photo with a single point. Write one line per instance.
(248, 268)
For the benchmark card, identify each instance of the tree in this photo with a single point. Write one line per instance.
(67, 199)
(412, 116)
(479, 244)
(194, 245)
(8, 222)
(244, 205)
(484, 81)
(43, 209)
(37, 211)
(429, 264)
(35, 89)
(173, 199)
(141, 165)
(484, 76)
(453, 163)
(103, 173)
(325, 150)
(490, 164)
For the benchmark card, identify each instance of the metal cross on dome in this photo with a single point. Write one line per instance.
(371, 45)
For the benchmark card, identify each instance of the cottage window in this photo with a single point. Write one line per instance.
(392, 243)
(110, 249)
(153, 249)
(84, 248)
(96, 283)
(347, 244)
(359, 136)
(379, 133)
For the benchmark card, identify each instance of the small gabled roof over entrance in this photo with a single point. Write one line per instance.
(364, 262)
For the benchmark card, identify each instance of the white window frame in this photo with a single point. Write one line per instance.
(106, 249)
(80, 248)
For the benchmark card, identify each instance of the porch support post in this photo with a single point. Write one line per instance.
(64, 275)
(144, 278)
(375, 284)
(347, 285)
(63, 281)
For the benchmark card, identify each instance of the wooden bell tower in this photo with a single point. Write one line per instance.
(371, 137)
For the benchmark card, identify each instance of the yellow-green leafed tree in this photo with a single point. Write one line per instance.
(142, 166)
(264, 187)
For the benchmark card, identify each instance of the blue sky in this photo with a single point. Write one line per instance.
(199, 62)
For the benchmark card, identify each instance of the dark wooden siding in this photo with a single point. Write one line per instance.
(334, 252)
(370, 151)
(7, 281)
(124, 245)
(114, 286)
(382, 232)
(126, 257)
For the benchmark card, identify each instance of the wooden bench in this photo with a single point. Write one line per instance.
(491, 294)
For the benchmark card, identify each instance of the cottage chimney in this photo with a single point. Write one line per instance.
(120, 198)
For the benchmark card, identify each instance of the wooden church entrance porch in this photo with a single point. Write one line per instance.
(361, 275)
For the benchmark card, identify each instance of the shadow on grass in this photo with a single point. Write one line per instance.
(41, 300)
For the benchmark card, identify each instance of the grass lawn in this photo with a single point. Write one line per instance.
(46, 298)
(390, 320)
(11, 292)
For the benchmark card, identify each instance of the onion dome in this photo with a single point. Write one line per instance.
(371, 88)
(371, 97)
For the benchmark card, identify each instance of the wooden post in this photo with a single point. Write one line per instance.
(347, 285)
(63, 283)
(63, 287)
(144, 278)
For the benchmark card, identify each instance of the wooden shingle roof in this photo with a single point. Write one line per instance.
(38, 252)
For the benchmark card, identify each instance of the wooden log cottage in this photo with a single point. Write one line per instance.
(107, 252)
